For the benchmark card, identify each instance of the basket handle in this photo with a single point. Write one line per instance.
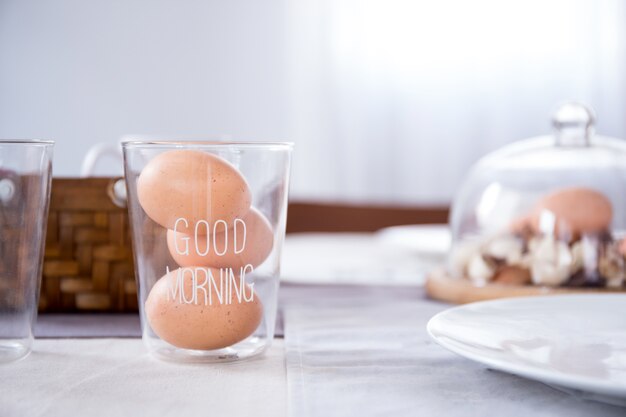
(97, 152)
(116, 188)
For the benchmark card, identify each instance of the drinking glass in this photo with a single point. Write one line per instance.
(208, 223)
(25, 174)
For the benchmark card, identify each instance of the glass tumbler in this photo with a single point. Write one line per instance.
(25, 174)
(208, 223)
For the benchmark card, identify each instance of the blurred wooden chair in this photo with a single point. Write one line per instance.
(325, 217)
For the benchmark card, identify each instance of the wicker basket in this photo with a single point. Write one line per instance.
(88, 262)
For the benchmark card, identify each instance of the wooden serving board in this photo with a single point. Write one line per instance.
(441, 286)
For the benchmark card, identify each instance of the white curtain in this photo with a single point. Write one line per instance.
(393, 100)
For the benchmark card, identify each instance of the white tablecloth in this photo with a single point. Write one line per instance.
(117, 378)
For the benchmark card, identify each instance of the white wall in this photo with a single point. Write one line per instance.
(387, 101)
(82, 72)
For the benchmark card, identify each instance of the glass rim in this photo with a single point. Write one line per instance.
(26, 142)
(205, 144)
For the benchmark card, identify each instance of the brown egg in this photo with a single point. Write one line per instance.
(577, 210)
(521, 226)
(193, 186)
(512, 275)
(248, 242)
(196, 318)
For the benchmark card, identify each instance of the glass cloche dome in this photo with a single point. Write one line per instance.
(547, 211)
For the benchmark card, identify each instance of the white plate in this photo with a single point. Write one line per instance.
(576, 342)
(425, 239)
(349, 258)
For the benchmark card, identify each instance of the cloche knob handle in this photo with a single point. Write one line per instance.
(573, 124)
